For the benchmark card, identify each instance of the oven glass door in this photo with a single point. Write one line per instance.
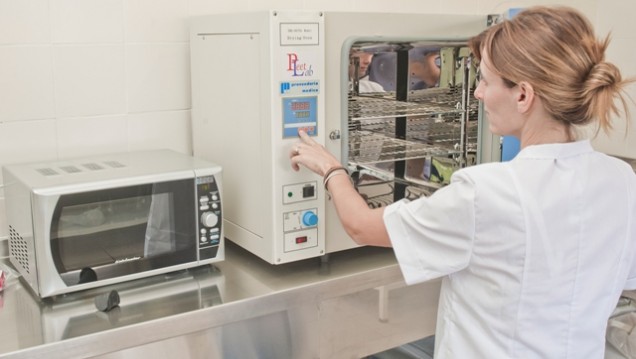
(115, 232)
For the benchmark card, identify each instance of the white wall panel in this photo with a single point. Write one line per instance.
(168, 129)
(89, 80)
(329, 5)
(404, 6)
(87, 21)
(26, 85)
(24, 22)
(86, 136)
(158, 76)
(460, 7)
(27, 141)
(205, 7)
(617, 17)
(274, 4)
(156, 20)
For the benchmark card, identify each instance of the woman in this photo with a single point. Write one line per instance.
(535, 252)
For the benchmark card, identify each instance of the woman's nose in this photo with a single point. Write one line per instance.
(478, 92)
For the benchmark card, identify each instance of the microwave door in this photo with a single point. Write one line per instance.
(112, 233)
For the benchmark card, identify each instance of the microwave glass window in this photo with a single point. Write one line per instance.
(109, 233)
(159, 235)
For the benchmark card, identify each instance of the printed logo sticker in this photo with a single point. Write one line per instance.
(298, 68)
(296, 88)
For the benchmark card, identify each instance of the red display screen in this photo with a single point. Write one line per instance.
(300, 106)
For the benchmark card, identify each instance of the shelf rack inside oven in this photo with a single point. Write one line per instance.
(421, 103)
(377, 188)
(366, 147)
(433, 126)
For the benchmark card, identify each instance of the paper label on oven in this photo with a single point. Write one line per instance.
(299, 34)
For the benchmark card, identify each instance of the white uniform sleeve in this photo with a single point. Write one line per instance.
(630, 284)
(433, 237)
(631, 279)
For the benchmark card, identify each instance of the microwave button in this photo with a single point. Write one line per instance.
(215, 205)
(214, 230)
(209, 219)
(204, 200)
(204, 231)
(203, 239)
(204, 208)
(215, 197)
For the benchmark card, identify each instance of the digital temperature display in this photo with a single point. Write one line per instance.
(300, 106)
(299, 113)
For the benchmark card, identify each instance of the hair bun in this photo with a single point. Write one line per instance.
(601, 76)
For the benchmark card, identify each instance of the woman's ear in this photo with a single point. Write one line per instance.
(524, 96)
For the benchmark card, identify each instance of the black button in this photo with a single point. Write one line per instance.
(308, 191)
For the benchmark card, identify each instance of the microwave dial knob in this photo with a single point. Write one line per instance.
(209, 219)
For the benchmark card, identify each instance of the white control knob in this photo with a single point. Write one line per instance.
(209, 219)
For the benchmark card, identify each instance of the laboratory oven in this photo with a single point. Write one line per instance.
(259, 77)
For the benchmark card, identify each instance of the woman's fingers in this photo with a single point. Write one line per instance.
(304, 137)
(310, 154)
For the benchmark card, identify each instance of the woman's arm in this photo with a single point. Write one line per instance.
(363, 224)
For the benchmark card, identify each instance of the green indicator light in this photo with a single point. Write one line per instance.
(289, 194)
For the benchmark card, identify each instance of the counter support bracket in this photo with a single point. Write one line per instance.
(383, 299)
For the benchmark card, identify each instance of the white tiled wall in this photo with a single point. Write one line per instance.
(97, 76)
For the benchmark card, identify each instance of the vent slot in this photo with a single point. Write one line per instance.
(18, 249)
(93, 166)
(47, 171)
(114, 164)
(70, 169)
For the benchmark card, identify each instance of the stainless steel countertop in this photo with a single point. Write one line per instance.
(175, 304)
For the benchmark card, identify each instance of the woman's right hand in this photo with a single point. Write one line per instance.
(312, 155)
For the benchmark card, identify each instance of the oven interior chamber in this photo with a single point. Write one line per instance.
(406, 141)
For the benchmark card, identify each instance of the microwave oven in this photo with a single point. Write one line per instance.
(86, 222)
(257, 77)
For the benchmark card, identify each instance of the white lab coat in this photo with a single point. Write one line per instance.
(534, 252)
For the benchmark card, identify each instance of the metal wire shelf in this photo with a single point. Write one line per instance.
(433, 120)
(425, 103)
(367, 147)
(377, 187)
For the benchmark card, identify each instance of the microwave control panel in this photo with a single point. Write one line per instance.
(209, 213)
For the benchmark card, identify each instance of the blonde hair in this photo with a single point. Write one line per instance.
(555, 50)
